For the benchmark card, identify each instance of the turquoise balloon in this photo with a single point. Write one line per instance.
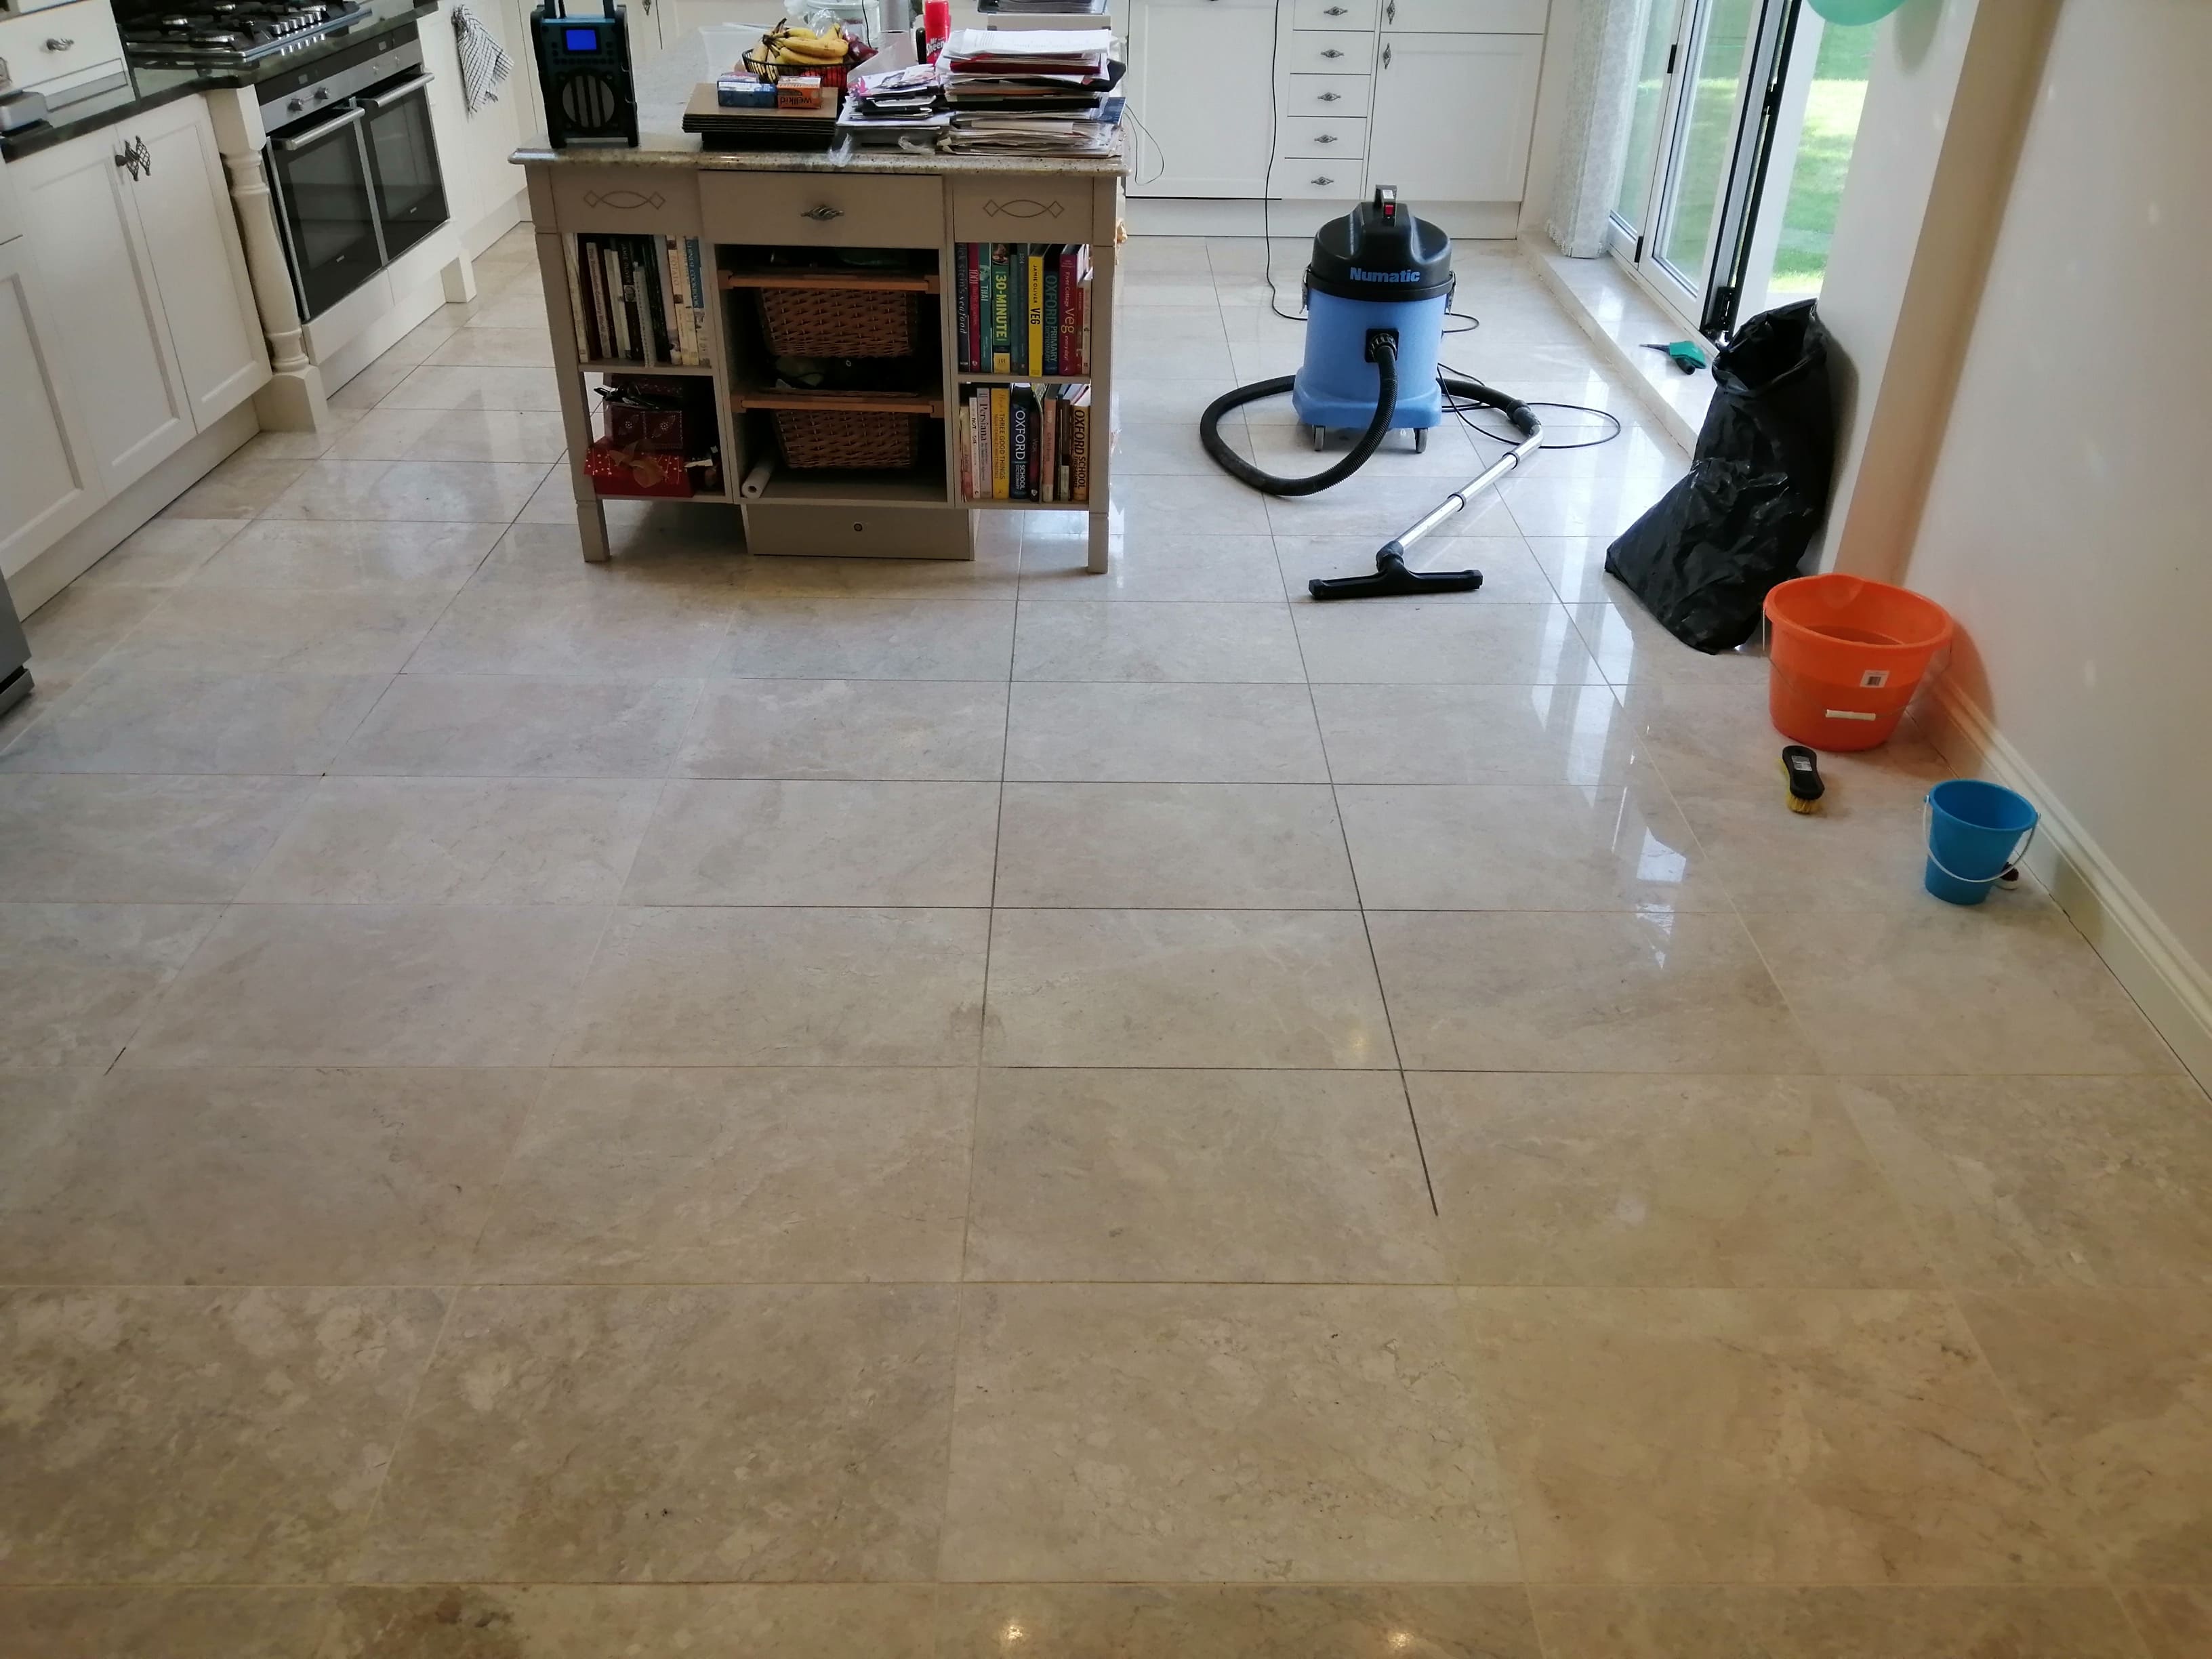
(1854, 11)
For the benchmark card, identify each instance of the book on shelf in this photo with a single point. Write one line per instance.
(1022, 308)
(1025, 443)
(637, 299)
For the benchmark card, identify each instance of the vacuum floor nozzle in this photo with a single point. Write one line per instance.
(1395, 579)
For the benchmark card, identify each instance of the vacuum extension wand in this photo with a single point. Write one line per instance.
(1393, 576)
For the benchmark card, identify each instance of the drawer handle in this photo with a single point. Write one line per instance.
(60, 42)
(1336, 11)
(823, 214)
(1390, 12)
(1324, 181)
(1332, 97)
(1387, 54)
(1331, 52)
(1325, 138)
(145, 158)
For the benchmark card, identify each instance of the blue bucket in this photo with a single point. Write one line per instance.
(1975, 831)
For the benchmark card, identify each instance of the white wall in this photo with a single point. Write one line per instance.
(2067, 518)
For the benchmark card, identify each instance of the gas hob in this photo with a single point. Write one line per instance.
(230, 33)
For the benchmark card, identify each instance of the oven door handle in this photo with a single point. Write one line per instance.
(301, 140)
(393, 95)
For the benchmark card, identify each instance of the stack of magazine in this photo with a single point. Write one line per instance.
(1032, 91)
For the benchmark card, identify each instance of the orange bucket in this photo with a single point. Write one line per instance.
(1846, 656)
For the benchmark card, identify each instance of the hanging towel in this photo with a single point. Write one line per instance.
(484, 61)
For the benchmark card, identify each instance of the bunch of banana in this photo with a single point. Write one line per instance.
(789, 44)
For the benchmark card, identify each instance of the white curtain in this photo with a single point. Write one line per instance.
(1596, 139)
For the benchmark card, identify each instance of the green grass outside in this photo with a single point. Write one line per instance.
(1824, 158)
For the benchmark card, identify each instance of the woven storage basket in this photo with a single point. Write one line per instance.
(840, 322)
(848, 438)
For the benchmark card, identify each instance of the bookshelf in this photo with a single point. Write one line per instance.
(883, 223)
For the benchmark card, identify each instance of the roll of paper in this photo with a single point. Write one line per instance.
(756, 483)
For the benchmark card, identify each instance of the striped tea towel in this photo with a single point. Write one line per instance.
(484, 61)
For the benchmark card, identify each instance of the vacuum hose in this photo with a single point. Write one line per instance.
(1383, 347)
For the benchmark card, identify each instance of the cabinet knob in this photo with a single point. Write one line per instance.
(1386, 55)
(1326, 138)
(1332, 97)
(1324, 181)
(1331, 52)
(60, 42)
(1390, 12)
(824, 214)
(145, 158)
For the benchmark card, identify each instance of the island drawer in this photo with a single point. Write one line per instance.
(809, 210)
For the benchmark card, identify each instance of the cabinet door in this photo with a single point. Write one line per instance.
(1201, 96)
(81, 223)
(1453, 115)
(47, 480)
(183, 206)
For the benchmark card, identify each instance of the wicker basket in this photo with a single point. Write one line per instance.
(840, 322)
(848, 438)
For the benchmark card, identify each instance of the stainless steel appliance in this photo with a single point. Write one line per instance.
(228, 33)
(353, 164)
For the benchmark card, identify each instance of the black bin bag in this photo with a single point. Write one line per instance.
(1703, 560)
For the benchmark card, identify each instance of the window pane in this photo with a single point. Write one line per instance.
(1708, 138)
(1824, 156)
(1644, 120)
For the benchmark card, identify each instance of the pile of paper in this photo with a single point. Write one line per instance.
(1043, 91)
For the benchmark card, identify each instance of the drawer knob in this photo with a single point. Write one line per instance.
(1386, 55)
(1336, 11)
(1331, 52)
(60, 42)
(824, 214)
(1326, 138)
(1332, 97)
(1390, 12)
(1324, 181)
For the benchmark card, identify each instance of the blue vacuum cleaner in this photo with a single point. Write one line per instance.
(1378, 291)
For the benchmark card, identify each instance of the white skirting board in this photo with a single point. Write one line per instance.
(2169, 984)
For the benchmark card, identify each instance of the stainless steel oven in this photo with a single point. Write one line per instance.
(353, 164)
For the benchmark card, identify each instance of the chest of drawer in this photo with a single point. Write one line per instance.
(1334, 13)
(55, 48)
(1328, 95)
(810, 209)
(1328, 52)
(1312, 138)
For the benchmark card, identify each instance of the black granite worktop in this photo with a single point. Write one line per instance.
(152, 86)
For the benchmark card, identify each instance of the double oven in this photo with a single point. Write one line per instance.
(352, 163)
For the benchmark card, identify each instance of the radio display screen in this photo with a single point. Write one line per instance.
(582, 40)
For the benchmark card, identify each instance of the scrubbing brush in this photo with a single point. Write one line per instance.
(1801, 766)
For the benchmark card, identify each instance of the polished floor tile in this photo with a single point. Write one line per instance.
(1632, 648)
(913, 731)
(1138, 733)
(784, 842)
(1172, 846)
(735, 1434)
(1995, 990)
(500, 725)
(1246, 644)
(1519, 848)
(1510, 575)
(1718, 740)
(1533, 991)
(160, 553)
(110, 1621)
(2111, 1387)
(241, 488)
(290, 1177)
(1695, 1182)
(1851, 855)
(130, 720)
(1183, 988)
(592, 1621)
(280, 631)
(1466, 734)
(1208, 1621)
(185, 1436)
(2175, 1621)
(1760, 1436)
(373, 985)
(77, 629)
(1440, 642)
(1741, 1622)
(758, 1175)
(629, 630)
(76, 980)
(452, 435)
(1320, 1435)
(439, 386)
(775, 986)
(1305, 1177)
(440, 491)
(153, 840)
(349, 558)
(1156, 568)
(2025, 1181)
(458, 840)
(869, 639)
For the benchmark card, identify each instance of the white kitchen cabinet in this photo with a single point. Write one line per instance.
(473, 150)
(1467, 16)
(155, 327)
(184, 206)
(47, 481)
(80, 219)
(1453, 115)
(1204, 111)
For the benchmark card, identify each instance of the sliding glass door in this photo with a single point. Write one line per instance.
(1719, 99)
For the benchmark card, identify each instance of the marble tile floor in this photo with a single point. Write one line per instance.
(728, 1109)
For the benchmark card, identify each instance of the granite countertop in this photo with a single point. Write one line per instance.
(151, 85)
(665, 87)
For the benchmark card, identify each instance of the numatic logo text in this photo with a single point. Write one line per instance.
(1359, 276)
